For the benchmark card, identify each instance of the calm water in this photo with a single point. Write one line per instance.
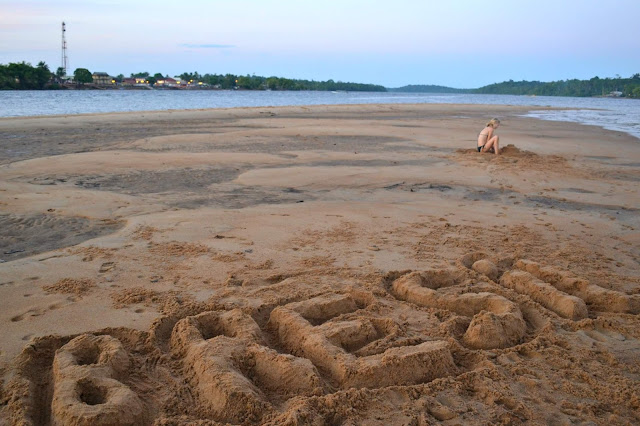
(614, 114)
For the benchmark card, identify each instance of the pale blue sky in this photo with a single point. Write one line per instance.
(393, 43)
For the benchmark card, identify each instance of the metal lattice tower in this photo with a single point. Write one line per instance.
(64, 49)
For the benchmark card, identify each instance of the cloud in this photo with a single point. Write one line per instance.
(207, 46)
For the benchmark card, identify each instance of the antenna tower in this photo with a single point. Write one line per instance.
(64, 49)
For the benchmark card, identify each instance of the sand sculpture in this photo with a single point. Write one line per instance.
(332, 347)
(222, 350)
(241, 372)
(497, 322)
(86, 389)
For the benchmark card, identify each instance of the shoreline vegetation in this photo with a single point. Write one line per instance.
(595, 87)
(24, 76)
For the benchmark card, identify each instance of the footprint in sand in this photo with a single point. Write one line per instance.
(37, 311)
(106, 267)
(30, 313)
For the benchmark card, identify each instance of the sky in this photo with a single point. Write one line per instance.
(455, 43)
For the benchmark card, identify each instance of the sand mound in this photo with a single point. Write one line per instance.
(511, 155)
(509, 151)
(79, 287)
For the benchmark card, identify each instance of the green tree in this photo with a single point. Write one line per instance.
(23, 76)
(272, 83)
(119, 78)
(188, 76)
(60, 72)
(82, 76)
(140, 75)
(229, 81)
(42, 75)
(22, 72)
(7, 81)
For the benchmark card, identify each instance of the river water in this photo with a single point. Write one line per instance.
(610, 113)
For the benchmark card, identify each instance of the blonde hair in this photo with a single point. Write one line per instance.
(492, 122)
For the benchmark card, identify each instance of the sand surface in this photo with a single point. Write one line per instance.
(318, 265)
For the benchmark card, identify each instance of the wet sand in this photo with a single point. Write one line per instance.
(318, 265)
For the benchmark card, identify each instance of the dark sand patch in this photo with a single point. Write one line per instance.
(623, 175)
(240, 196)
(22, 141)
(279, 143)
(192, 188)
(150, 182)
(508, 197)
(26, 235)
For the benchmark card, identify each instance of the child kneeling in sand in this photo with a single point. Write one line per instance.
(487, 140)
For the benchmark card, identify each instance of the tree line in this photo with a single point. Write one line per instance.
(428, 88)
(254, 82)
(628, 87)
(24, 76)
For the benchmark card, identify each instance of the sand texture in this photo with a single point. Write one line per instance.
(324, 265)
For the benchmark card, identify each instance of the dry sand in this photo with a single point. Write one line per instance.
(318, 265)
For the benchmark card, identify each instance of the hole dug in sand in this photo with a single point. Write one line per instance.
(356, 336)
(235, 376)
(328, 345)
(497, 322)
(91, 394)
(89, 355)
(85, 386)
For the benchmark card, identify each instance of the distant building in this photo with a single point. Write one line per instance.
(128, 81)
(102, 78)
(167, 82)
